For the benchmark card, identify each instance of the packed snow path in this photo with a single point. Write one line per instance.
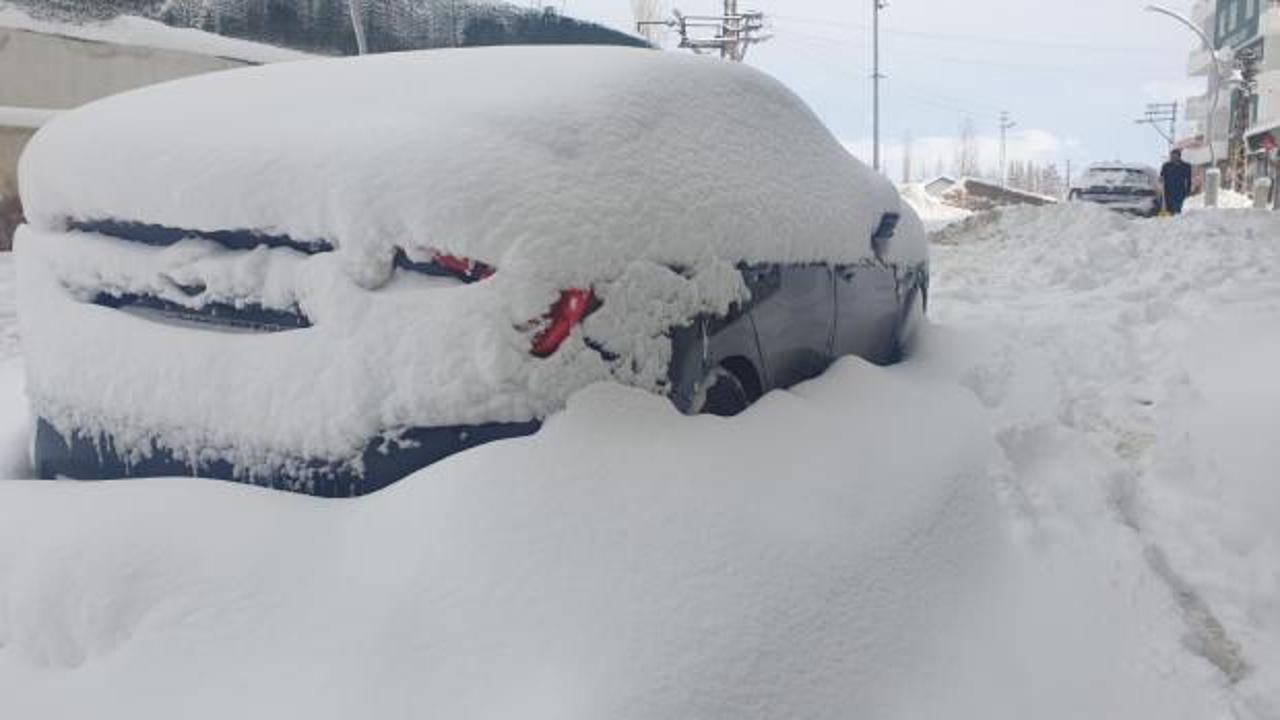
(1059, 509)
(1137, 358)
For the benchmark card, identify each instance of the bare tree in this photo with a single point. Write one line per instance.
(968, 163)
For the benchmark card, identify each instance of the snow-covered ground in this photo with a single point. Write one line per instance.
(1063, 507)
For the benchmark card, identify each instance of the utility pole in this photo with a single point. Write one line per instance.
(1005, 126)
(1068, 191)
(906, 158)
(734, 32)
(876, 77)
(357, 23)
(1157, 115)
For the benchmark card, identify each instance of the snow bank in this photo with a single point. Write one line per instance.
(141, 32)
(970, 534)
(1157, 346)
(560, 162)
(16, 423)
(935, 214)
(8, 308)
(626, 562)
(1227, 200)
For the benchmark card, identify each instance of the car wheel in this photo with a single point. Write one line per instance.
(721, 393)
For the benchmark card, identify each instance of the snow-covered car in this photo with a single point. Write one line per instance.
(1122, 187)
(323, 275)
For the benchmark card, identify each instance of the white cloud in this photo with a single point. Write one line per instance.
(929, 154)
(1171, 90)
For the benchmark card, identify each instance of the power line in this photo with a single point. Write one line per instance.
(1157, 115)
(876, 77)
(990, 39)
(734, 31)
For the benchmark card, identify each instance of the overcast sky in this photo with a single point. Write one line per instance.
(1074, 74)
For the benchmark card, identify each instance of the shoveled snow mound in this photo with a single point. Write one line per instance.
(1158, 341)
(934, 213)
(141, 32)
(561, 163)
(8, 308)
(835, 552)
(15, 420)
(1227, 200)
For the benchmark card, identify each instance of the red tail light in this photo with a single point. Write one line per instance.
(466, 268)
(569, 310)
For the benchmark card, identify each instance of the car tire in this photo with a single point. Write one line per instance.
(721, 393)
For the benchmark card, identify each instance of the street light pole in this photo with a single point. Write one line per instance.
(1219, 74)
(876, 7)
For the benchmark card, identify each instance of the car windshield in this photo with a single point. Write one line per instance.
(1117, 176)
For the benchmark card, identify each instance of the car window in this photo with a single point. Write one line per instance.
(1117, 176)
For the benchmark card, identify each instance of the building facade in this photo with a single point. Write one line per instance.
(1246, 122)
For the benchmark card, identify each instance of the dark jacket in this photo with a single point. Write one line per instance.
(1176, 176)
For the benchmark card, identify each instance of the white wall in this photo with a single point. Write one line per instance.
(52, 71)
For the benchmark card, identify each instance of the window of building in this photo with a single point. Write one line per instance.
(1232, 15)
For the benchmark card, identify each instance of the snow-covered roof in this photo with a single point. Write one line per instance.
(141, 32)
(567, 159)
(23, 117)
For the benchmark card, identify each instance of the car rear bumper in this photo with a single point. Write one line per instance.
(87, 457)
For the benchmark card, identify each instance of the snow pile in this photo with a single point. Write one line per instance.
(626, 562)
(141, 32)
(935, 213)
(1227, 200)
(8, 308)
(1051, 511)
(15, 421)
(1158, 341)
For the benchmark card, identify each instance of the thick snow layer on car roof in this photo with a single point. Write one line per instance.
(565, 162)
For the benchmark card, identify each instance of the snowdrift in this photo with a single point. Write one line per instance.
(972, 534)
(626, 562)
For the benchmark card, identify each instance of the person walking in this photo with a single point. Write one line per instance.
(1175, 178)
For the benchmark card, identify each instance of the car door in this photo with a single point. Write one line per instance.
(794, 315)
(868, 310)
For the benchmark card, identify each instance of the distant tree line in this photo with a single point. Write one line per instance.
(324, 26)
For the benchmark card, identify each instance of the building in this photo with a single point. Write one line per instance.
(48, 67)
(1240, 29)
(940, 185)
(1197, 125)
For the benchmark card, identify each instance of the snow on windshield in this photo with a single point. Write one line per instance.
(1128, 177)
